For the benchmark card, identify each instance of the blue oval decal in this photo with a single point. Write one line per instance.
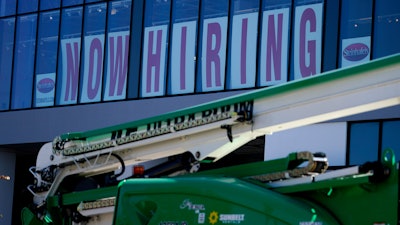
(45, 85)
(356, 52)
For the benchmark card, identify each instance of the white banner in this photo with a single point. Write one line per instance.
(44, 91)
(117, 65)
(92, 69)
(154, 61)
(70, 51)
(307, 40)
(274, 47)
(243, 51)
(355, 50)
(183, 53)
(213, 54)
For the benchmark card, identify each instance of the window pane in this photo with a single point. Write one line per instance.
(49, 4)
(117, 50)
(46, 59)
(89, 1)
(71, 2)
(7, 7)
(157, 15)
(6, 55)
(24, 62)
(390, 136)
(93, 53)
(242, 44)
(386, 28)
(364, 142)
(274, 42)
(183, 49)
(69, 56)
(27, 6)
(355, 32)
(213, 45)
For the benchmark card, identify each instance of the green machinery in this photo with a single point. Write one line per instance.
(79, 176)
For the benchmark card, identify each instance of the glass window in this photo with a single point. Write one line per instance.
(386, 28)
(390, 136)
(89, 1)
(93, 53)
(49, 4)
(363, 143)
(183, 50)
(307, 30)
(213, 44)
(154, 49)
(69, 56)
(355, 32)
(116, 62)
(242, 44)
(7, 7)
(6, 54)
(274, 42)
(27, 6)
(24, 59)
(71, 2)
(46, 58)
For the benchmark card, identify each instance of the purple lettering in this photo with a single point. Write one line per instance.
(95, 48)
(243, 52)
(213, 30)
(72, 70)
(183, 59)
(118, 64)
(154, 60)
(307, 17)
(274, 47)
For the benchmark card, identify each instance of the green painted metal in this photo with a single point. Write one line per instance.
(230, 196)
(82, 196)
(210, 198)
(269, 92)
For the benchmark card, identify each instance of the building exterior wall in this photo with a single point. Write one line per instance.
(75, 65)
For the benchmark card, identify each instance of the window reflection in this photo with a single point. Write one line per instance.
(364, 142)
(93, 53)
(24, 62)
(69, 56)
(46, 58)
(117, 49)
(6, 55)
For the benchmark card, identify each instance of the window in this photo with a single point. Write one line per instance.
(117, 49)
(46, 58)
(6, 55)
(93, 53)
(49, 4)
(390, 136)
(69, 56)
(355, 32)
(154, 49)
(274, 42)
(212, 47)
(71, 2)
(27, 6)
(386, 28)
(242, 50)
(307, 38)
(363, 142)
(24, 59)
(182, 61)
(7, 7)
